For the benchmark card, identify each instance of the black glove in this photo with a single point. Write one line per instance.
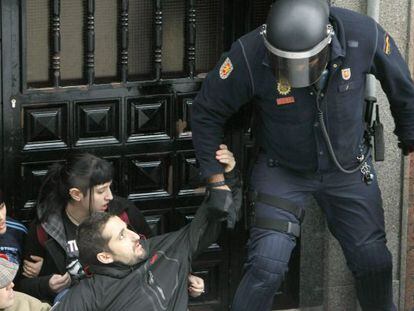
(406, 146)
(234, 214)
(234, 182)
(219, 202)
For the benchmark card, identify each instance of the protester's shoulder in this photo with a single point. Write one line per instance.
(85, 295)
(15, 225)
(26, 302)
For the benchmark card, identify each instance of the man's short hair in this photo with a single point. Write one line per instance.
(90, 240)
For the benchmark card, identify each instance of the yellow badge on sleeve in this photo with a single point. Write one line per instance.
(387, 44)
(226, 68)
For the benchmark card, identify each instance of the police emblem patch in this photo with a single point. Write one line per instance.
(346, 73)
(226, 68)
(283, 87)
(387, 44)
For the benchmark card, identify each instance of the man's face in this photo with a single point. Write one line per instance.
(7, 296)
(102, 195)
(124, 244)
(3, 211)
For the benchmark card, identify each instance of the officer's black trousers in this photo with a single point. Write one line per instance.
(355, 217)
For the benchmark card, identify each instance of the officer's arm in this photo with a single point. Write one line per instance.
(392, 71)
(226, 88)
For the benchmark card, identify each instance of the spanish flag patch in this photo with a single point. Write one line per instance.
(387, 44)
(226, 68)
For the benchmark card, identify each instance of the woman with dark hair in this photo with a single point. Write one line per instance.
(70, 193)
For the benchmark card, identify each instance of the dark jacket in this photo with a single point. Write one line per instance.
(160, 282)
(11, 242)
(289, 132)
(54, 251)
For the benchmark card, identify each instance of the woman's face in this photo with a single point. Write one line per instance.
(102, 195)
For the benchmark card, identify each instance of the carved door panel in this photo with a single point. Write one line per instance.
(117, 79)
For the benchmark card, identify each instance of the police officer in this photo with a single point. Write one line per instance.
(305, 72)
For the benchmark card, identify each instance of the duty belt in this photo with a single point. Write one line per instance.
(276, 224)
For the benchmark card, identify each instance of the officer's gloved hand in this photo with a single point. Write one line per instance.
(407, 146)
(234, 182)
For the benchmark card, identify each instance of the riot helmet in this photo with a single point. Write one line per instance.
(297, 35)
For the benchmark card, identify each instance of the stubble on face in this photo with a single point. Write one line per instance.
(124, 244)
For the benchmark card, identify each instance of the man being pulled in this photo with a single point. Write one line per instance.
(131, 273)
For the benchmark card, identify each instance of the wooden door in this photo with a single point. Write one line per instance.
(117, 79)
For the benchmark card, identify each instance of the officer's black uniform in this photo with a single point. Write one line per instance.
(290, 135)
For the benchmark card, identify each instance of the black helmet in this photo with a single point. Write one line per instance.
(297, 35)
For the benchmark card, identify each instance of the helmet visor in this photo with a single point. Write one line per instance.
(299, 72)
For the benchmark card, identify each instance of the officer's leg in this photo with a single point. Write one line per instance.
(356, 218)
(266, 266)
(268, 250)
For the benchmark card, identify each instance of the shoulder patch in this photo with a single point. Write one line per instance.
(226, 68)
(387, 44)
(346, 73)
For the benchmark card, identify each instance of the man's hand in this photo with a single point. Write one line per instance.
(58, 282)
(226, 158)
(31, 268)
(195, 286)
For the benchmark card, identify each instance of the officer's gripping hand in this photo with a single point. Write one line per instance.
(230, 181)
(226, 158)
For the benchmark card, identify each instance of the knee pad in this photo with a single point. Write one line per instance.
(370, 258)
(269, 272)
(262, 279)
(372, 267)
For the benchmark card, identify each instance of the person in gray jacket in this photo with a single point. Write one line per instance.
(128, 272)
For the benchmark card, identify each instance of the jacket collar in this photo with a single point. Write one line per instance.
(54, 228)
(338, 44)
(115, 270)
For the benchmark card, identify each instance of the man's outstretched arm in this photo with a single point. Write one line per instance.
(218, 203)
